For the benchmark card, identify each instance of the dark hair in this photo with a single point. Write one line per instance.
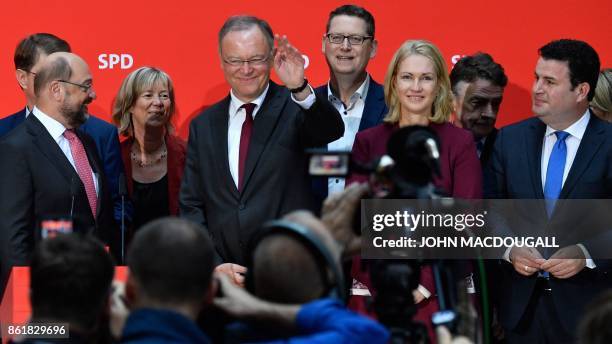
(172, 260)
(28, 50)
(354, 11)
(243, 23)
(595, 326)
(302, 287)
(581, 58)
(70, 280)
(478, 66)
(59, 69)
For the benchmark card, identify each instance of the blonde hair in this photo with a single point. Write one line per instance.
(603, 93)
(132, 87)
(443, 103)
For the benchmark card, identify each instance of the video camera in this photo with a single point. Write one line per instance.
(406, 171)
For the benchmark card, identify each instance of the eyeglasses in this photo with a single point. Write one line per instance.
(256, 61)
(336, 38)
(85, 88)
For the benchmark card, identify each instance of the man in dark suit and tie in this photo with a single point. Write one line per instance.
(50, 169)
(563, 152)
(348, 45)
(29, 56)
(478, 85)
(245, 158)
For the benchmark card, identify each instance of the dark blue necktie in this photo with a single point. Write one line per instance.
(554, 172)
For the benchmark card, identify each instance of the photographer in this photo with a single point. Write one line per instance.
(70, 280)
(314, 249)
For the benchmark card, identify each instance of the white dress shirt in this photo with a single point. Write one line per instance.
(572, 142)
(236, 117)
(351, 114)
(56, 130)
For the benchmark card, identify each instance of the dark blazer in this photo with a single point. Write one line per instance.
(487, 149)
(374, 111)
(35, 182)
(107, 143)
(375, 108)
(176, 163)
(514, 172)
(10, 122)
(276, 171)
(461, 174)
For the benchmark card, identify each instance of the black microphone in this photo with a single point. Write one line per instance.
(122, 192)
(415, 151)
(74, 189)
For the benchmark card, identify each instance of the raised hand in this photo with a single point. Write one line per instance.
(288, 63)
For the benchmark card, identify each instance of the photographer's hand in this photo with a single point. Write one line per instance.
(445, 337)
(241, 304)
(338, 213)
(234, 271)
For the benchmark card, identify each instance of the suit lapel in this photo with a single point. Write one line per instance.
(534, 156)
(487, 149)
(589, 145)
(218, 134)
(49, 148)
(263, 126)
(374, 106)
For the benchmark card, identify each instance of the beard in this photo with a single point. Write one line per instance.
(74, 114)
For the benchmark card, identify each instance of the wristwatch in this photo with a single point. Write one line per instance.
(301, 88)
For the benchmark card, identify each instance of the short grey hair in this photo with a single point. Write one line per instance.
(243, 23)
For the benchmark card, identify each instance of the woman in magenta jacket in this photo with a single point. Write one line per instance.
(418, 92)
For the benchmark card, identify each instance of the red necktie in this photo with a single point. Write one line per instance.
(83, 169)
(245, 139)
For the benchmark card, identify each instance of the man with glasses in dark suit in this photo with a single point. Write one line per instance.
(245, 157)
(29, 56)
(49, 167)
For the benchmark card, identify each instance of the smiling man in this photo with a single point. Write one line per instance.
(348, 45)
(245, 158)
(29, 57)
(51, 168)
(478, 85)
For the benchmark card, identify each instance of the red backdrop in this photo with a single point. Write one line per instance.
(180, 38)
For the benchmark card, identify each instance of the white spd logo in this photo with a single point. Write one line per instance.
(110, 61)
